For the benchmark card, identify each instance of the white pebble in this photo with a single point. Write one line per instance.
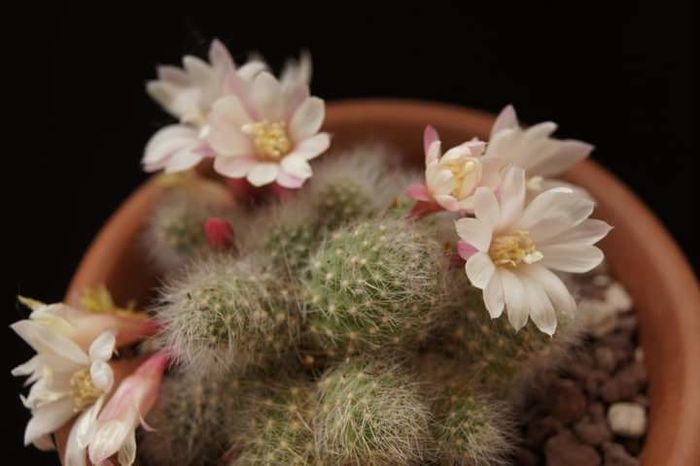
(627, 419)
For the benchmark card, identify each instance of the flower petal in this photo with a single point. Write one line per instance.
(465, 250)
(288, 181)
(312, 147)
(507, 119)
(541, 309)
(183, 159)
(557, 292)
(101, 375)
(307, 119)
(494, 297)
(589, 232)
(474, 232)
(480, 269)
(552, 213)
(575, 258)
(430, 136)
(44, 340)
(108, 439)
(127, 453)
(48, 418)
(226, 120)
(515, 299)
(568, 154)
(102, 347)
(262, 174)
(486, 207)
(296, 166)
(418, 192)
(234, 167)
(266, 96)
(512, 193)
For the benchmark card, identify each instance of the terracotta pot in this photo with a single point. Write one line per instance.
(642, 255)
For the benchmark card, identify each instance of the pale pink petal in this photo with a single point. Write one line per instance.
(589, 232)
(474, 232)
(45, 443)
(479, 269)
(101, 375)
(512, 195)
(575, 258)
(235, 167)
(166, 141)
(418, 192)
(227, 118)
(266, 97)
(493, 296)
(251, 69)
(48, 418)
(307, 119)
(44, 340)
(486, 207)
(220, 57)
(127, 453)
(430, 136)
(262, 174)
(296, 166)
(507, 119)
(541, 309)
(557, 292)
(515, 299)
(491, 172)
(447, 202)
(183, 159)
(110, 436)
(198, 70)
(288, 181)
(312, 147)
(465, 250)
(439, 181)
(173, 74)
(102, 347)
(569, 153)
(553, 212)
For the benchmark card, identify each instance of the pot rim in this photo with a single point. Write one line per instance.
(642, 255)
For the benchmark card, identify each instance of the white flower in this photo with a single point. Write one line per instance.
(534, 150)
(511, 249)
(452, 178)
(188, 94)
(66, 379)
(269, 132)
(112, 432)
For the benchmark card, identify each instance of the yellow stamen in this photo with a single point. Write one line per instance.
(513, 249)
(270, 138)
(460, 170)
(83, 391)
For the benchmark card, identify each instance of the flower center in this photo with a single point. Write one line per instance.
(82, 389)
(513, 249)
(461, 170)
(270, 138)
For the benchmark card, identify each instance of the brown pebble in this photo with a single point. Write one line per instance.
(541, 429)
(524, 457)
(605, 358)
(615, 455)
(596, 411)
(569, 403)
(626, 384)
(593, 432)
(564, 449)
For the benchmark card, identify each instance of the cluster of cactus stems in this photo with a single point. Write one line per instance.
(333, 331)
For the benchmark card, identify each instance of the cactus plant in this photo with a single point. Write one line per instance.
(373, 284)
(469, 427)
(225, 311)
(175, 230)
(370, 412)
(192, 421)
(278, 427)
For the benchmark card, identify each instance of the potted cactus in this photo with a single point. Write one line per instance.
(350, 310)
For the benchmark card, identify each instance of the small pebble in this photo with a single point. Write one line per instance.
(605, 358)
(565, 450)
(627, 419)
(597, 317)
(524, 457)
(593, 432)
(569, 404)
(616, 455)
(541, 429)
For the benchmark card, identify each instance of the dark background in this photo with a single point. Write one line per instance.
(618, 76)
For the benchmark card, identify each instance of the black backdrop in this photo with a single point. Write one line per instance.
(619, 77)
